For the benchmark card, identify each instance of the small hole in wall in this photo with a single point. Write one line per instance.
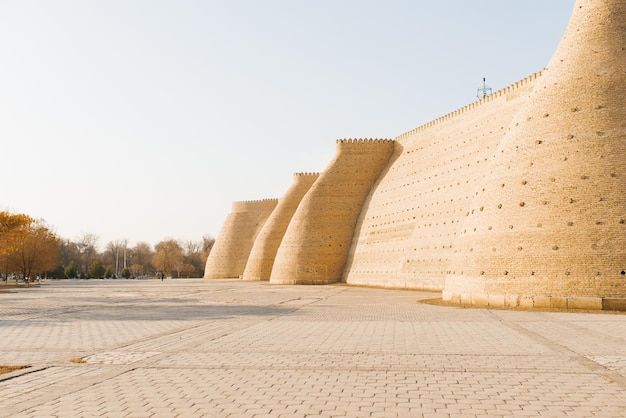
(623, 273)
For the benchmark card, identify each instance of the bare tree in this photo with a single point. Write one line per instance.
(142, 255)
(194, 258)
(207, 245)
(88, 248)
(118, 254)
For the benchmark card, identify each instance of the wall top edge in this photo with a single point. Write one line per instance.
(245, 202)
(364, 140)
(491, 97)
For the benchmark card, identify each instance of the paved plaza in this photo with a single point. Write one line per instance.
(229, 348)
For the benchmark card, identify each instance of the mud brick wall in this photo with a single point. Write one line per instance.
(317, 241)
(232, 246)
(518, 199)
(551, 220)
(261, 260)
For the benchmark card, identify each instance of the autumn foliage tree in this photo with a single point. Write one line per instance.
(29, 247)
(13, 230)
(36, 252)
(168, 257)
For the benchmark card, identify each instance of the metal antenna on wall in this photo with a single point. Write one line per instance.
(484, 91)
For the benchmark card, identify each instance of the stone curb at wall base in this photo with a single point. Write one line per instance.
(536, 302)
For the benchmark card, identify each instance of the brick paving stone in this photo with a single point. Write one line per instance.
(220, 348)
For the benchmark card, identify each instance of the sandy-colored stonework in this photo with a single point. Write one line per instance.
(518, 199)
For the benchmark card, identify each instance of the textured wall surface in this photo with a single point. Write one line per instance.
(232, 246)
(518, 199)
(407, 233)
(315, 246)
(261, 260)
(550, 225)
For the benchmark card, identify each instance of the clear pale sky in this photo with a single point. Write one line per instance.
(146, 119)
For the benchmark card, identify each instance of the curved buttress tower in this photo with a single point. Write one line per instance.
(317, 241)
(261, 260)
(550, 227)
(230, 252)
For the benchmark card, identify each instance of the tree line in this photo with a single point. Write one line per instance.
(29, 249)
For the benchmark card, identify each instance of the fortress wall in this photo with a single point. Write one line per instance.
(263, 253)
(316, 243)
(232, 247)
(408, 230)
(515, 200)
(550, 228)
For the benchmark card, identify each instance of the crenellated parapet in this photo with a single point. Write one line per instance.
(232, 247)
(247, 205)
(363, 141)
(315, 245)
(261, 260)
(510, 90)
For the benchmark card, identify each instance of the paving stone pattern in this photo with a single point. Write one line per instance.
(233, 348)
